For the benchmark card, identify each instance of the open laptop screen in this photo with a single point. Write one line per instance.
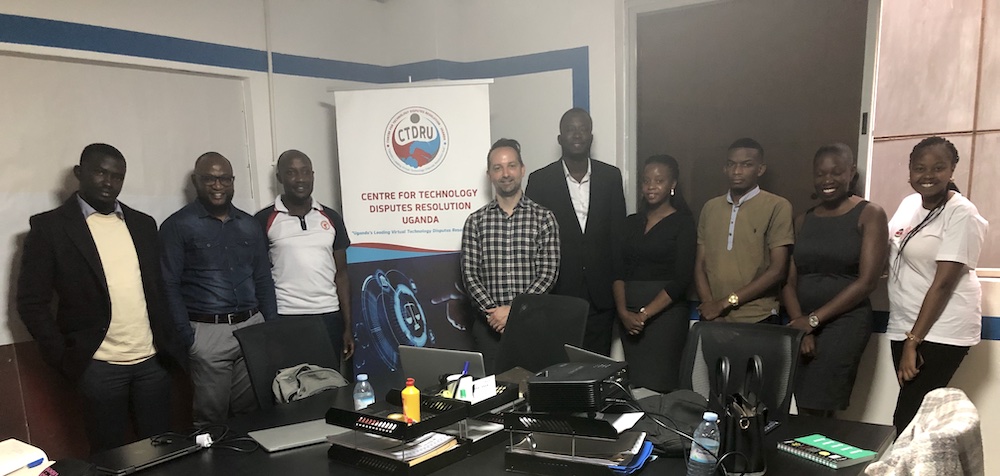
(426, 365)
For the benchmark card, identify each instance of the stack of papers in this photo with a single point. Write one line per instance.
(583, 450)
(16, 454)
(412, 452)
(621, 421)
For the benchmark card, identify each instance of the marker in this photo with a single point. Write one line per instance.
(465, 370)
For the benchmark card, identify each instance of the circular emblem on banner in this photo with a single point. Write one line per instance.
(416, 140)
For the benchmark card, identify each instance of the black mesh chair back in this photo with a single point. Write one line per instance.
(538, 327)
(278, 344)
(777, 346)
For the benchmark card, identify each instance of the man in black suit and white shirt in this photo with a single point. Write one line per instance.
(588, 201)
(110, 328)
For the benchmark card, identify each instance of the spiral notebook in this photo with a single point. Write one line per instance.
(826, 451)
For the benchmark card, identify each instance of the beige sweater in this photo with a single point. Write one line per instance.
(129, 339)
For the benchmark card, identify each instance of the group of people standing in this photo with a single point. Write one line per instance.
(567, 234)
(110, 299)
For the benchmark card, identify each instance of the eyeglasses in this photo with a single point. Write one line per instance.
(209, 180)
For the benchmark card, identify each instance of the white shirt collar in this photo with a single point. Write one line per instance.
(280, 206)
(586, 176)
(744, 198)
(89, 210)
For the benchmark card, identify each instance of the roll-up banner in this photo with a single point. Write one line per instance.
(412, 168)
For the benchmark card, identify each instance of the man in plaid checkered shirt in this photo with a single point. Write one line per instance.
(509, 247)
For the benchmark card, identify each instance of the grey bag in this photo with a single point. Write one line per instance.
(304, 380)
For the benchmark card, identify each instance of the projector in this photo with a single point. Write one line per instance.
(576, 387)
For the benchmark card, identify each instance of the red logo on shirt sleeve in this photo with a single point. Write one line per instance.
(325, 224)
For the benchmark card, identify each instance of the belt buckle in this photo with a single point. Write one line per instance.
(230, 316)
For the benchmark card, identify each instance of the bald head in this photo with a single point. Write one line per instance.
(209, 159)
(286, 157)
(576, 112)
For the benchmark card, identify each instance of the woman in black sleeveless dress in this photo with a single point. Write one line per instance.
(840, 251)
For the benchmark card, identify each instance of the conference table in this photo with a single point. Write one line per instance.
(313, 460)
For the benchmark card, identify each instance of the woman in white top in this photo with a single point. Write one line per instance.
(934, 297)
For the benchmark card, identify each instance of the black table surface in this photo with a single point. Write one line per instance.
(313, 460)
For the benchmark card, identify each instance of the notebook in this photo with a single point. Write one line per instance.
(142, 454)
(425, 365)
(828, 452)
(296, 435)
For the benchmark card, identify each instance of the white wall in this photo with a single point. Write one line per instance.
(483, 29)
(304, 110)
(229, 23)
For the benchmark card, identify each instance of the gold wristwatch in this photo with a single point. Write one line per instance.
(734, 300)
(813, 320)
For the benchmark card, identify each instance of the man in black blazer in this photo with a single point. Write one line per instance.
(588, 201)
(110, 328)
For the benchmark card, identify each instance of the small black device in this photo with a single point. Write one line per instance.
(577, 387)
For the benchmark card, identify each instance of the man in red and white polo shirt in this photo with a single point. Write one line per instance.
(308, 248)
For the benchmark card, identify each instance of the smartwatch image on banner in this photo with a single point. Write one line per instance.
(392, 315)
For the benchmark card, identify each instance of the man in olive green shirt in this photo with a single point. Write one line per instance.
(744, 238)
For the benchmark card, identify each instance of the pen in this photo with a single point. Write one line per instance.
(465, 370)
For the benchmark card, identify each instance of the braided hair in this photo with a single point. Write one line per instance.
(917, 152)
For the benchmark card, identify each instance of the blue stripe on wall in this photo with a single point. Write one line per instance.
(59, 34)
(575, 59)
(76, 36)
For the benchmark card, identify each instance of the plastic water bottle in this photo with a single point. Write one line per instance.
(703, 457)
(364, 395)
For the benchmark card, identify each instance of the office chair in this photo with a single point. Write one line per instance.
(777, 346)
(538, 327)
(274, 345)
(944, 437)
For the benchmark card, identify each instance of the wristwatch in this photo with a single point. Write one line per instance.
(734, 300)
(813, 320)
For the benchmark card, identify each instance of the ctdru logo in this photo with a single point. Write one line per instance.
(416, 140)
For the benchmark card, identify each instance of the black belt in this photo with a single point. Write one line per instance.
(231, 318)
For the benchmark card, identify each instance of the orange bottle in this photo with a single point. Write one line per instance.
(411, 402)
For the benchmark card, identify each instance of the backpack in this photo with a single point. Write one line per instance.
(304, 380)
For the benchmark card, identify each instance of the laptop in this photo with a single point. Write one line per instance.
(295, 435)
(577, 354)
(426, 365)
(142, 454)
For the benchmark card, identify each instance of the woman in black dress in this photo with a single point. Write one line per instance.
(840, 251)
(654, 269)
